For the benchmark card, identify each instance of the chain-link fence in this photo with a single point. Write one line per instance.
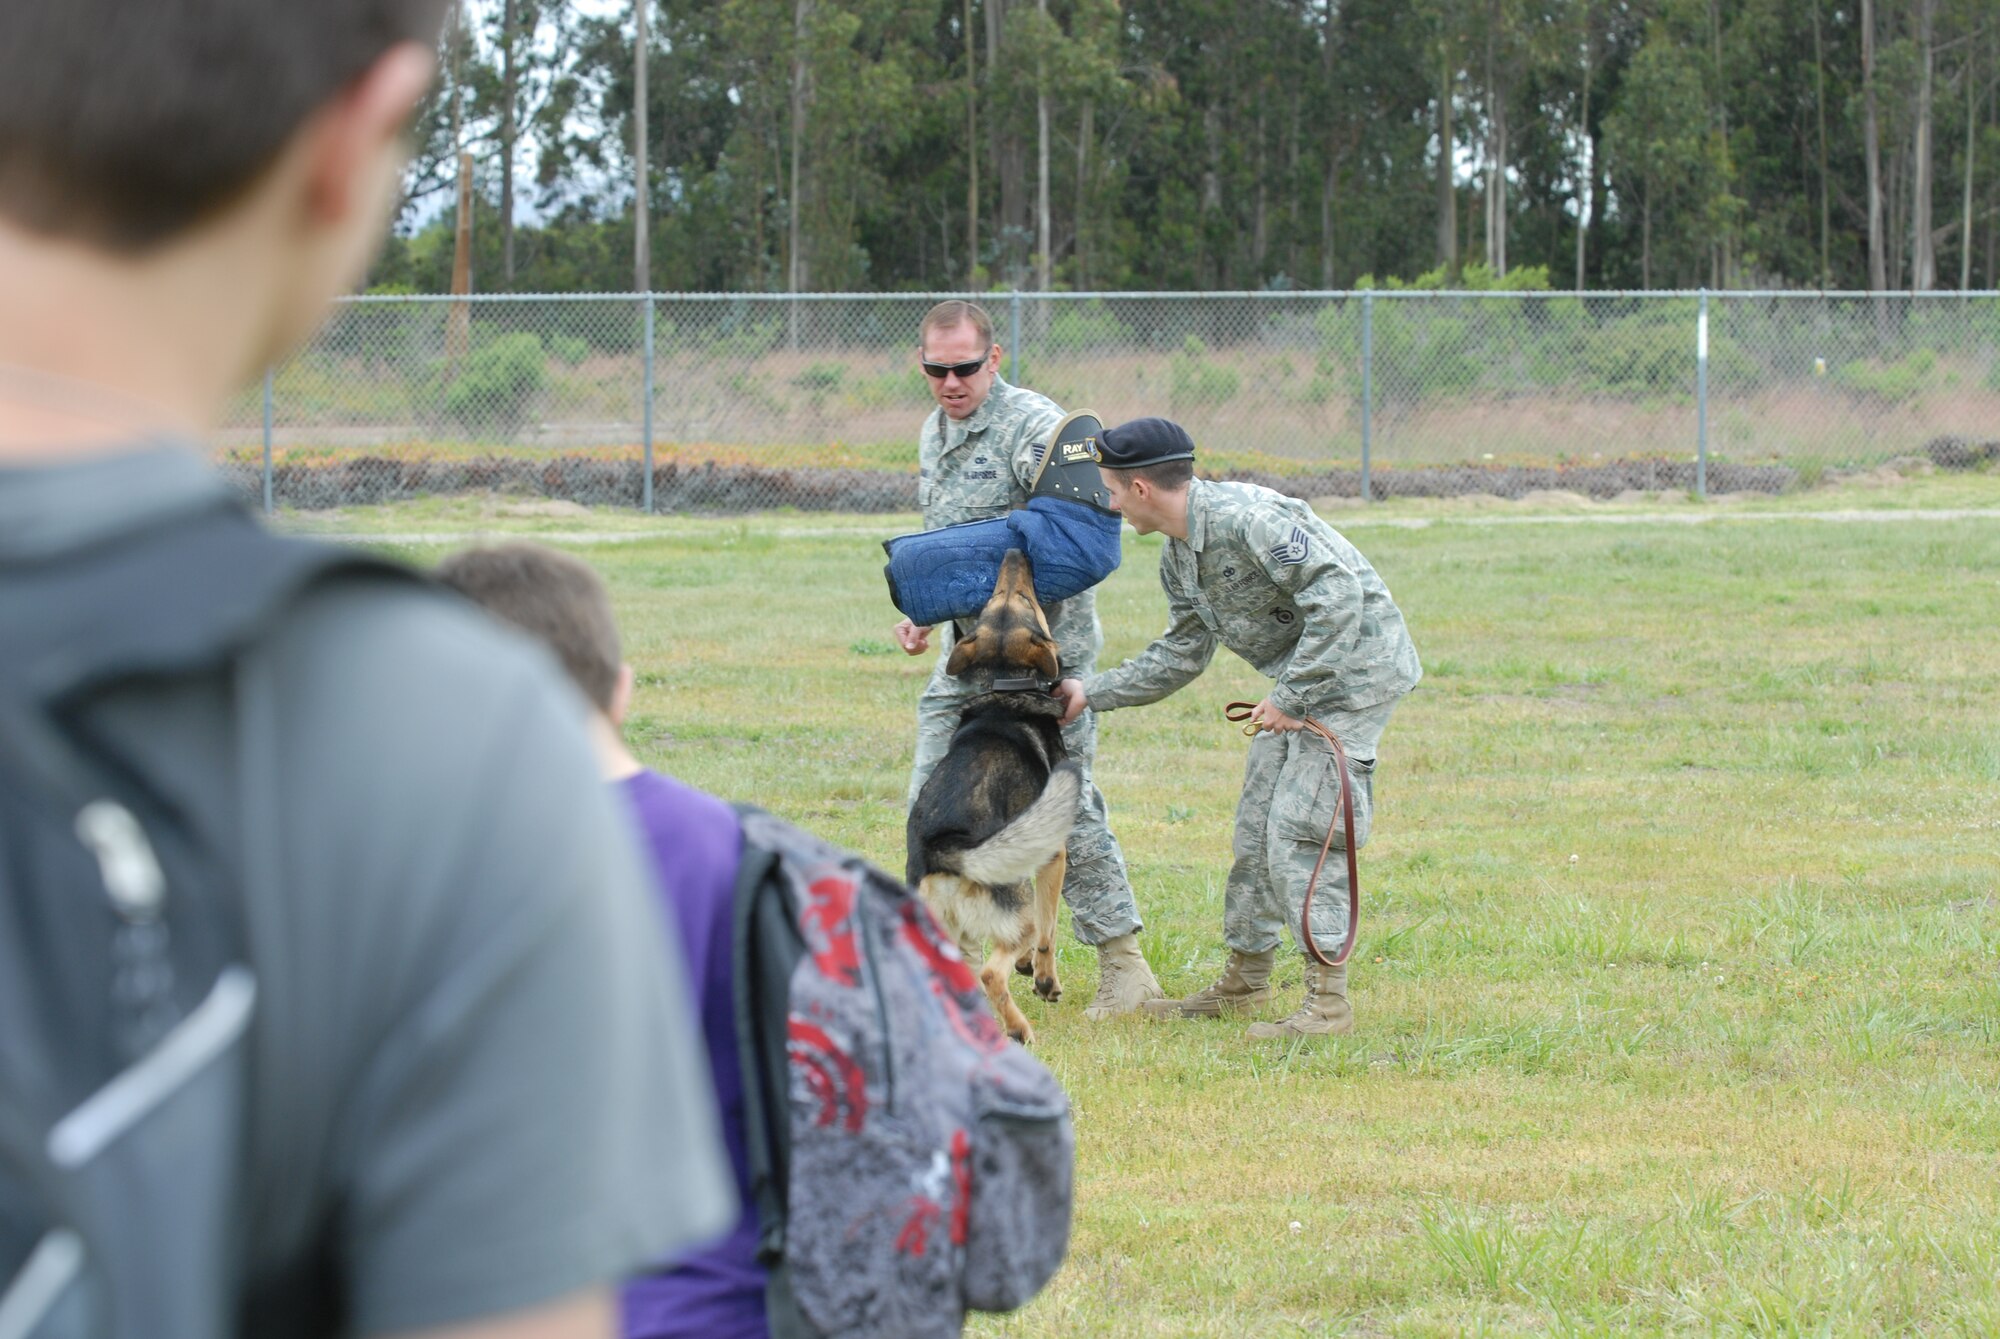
(739, 402)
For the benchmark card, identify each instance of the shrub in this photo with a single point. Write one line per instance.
(493, 388)
(1194, 381)
(1893, 382)
(568, 350)
(1085, 328)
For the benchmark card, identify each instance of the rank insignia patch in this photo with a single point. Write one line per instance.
(1293, 550)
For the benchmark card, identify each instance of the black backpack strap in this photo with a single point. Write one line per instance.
(766, 946)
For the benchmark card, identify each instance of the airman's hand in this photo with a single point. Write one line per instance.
(1270, 718)
(1073, 700)
(913, 639)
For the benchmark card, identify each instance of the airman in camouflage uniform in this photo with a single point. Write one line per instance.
(1261, 574)
(977, 457)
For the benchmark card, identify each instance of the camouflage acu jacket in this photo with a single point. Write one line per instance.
(979, 467)
(1265, 577)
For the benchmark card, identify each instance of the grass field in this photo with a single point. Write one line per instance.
(1678, 988)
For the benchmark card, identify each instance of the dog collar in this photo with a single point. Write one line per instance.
(1024, 683)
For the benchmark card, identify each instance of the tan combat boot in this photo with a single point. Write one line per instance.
(1124, 981)
(1244, 982)
(1324, 1012)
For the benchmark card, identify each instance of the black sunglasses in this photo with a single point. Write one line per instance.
(939, 371)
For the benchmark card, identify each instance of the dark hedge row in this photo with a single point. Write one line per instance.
(710, 488)
(1510, 481)
(1960, 453)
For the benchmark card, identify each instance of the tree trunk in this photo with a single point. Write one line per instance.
(1646, 240)
(1326, 222)
(1259, 223)
(1825, 225)
(1496, 155)
(1725, 271)
(1326, 181)
(971, 154)
(1871, 142)
(1293, 136)
(457, 82)
(642, 247)
(1971, 147)
(762, 277)
(1586, 201)
(1085, 129)
(1212, 267)
(458, 325)
(510, 85)
(1923, 247)
(1447, 169)
(1042, 248)
(795, 265)
(1006, 146)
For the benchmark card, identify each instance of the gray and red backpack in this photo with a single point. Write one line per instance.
(909, 1162)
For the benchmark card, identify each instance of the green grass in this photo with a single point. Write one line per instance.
(1678, 987)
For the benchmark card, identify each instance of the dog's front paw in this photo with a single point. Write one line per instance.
(1048, 988)
(1025, 965)
(1023, 1034)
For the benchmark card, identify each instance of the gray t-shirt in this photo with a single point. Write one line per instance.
(478, 1084)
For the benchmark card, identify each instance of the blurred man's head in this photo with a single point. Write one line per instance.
(125, 122)
(227, 164)
(557, 599)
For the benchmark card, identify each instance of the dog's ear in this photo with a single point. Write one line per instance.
(1044, 658)
(963, 654)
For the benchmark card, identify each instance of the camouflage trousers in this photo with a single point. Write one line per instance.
(1096, 886)
(1290, 795)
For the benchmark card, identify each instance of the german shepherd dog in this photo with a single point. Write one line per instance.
(987, 834)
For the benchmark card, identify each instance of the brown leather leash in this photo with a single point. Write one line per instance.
(1240, 711)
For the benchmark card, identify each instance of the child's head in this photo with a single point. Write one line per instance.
(558, 600)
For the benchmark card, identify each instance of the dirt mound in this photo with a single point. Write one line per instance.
(715, 489)
(579, 480)
(1602, 481)
(1960, 453)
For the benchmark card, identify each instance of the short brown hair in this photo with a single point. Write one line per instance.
(124, 122)
(953, 312)
(553, 597)
(1169, 475)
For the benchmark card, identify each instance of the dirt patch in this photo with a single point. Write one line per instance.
(546, 506)
(1557, 499)
(1889, 474)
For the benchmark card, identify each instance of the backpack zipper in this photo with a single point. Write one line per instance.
(210, 1030)
(125, 858)
(54, 1265)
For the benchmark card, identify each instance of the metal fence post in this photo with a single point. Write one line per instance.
(1701, 400)
(267, 441)
(1014, 341)
(1367, 388)
(646, 489)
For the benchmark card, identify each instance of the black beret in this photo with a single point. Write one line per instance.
(1142, 442)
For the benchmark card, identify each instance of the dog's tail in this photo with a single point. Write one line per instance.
(1031, 840)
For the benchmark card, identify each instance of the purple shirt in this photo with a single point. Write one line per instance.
(696, 844)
